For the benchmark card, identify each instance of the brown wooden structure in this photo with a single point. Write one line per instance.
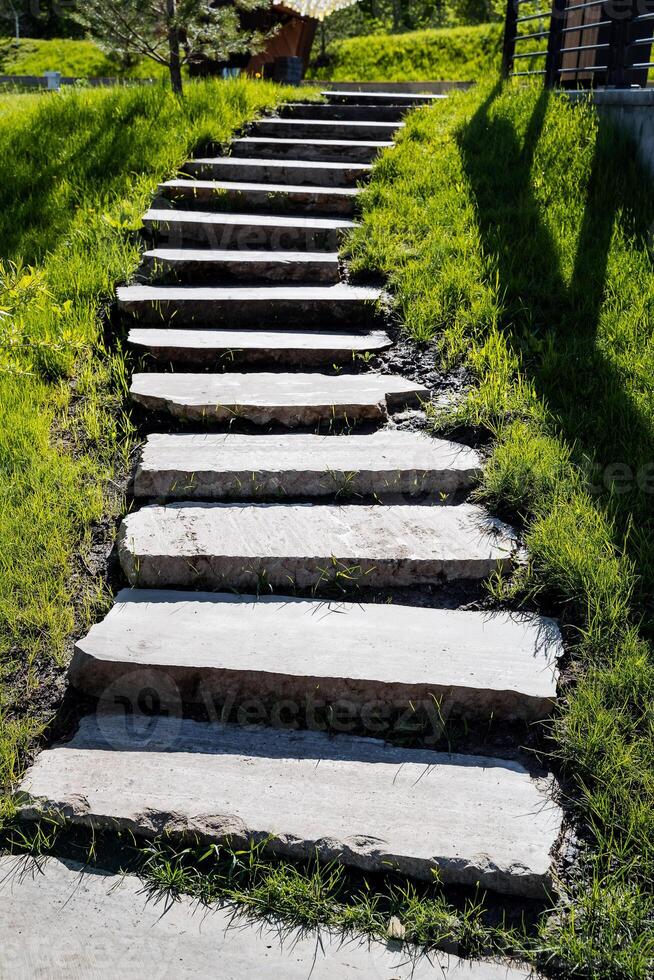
(580, 43)
(292, 34)
(294, 39)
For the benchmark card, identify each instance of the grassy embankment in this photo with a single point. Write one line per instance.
(451, 53)
(518, 234)
(73, 58)
(77, 170)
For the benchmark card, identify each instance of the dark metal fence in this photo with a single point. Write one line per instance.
(577, 44)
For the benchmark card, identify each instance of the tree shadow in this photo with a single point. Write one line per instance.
(561, 330)
(88, 152)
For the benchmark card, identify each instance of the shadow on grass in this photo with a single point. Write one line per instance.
(41, 179)
(568, 342)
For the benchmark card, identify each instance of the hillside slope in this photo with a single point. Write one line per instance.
(458, 53)
(79, 59)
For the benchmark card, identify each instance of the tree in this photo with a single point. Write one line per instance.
(171, 32)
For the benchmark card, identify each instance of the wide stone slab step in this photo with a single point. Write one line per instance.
(272, 198)
(278, 171)
(201, 648)
(217, 546)
(247, 231)
(325, 129)
(336, 96)
(472, 820)
(223, 465)
(231, 348)
(345, 151)
(64, 919)
(287, 399)
(250, 305)
(318, 110)
(213, 265)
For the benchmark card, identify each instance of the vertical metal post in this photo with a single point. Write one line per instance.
(554, 43)
(640, 30)
(621, 13)
(510, 30)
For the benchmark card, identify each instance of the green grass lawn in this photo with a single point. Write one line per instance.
(77, 171)
(451, 53)
(76, 58)
(517, 232)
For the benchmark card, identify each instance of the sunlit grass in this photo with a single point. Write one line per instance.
(77, 58)
(449, 53)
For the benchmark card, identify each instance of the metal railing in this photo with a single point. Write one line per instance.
(580, 44)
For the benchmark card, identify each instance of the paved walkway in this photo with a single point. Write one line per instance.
(60, 920)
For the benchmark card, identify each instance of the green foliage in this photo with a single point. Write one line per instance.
(77, 170)
(171, 32)
(515, 230)
(457, 53)
(399, 16)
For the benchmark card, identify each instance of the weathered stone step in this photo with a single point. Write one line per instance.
(278, 171)
(345, 151)
(205, 648)
(472, 820)
(325, 129)
(231, 348)
(380, 98)
(247, 231)
(223, 265)
(271, 198)
(196, 545)
(287, 399)
(318, 110)
(223, 465)
(65, 919)
(250, 305)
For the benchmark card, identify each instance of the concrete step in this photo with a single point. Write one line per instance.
(213, 265)
(247, 231)
(224, 546)
(199, 648)
(231, 348)
(208, 306)
(269, 198)
(345, 151)
(65, 919)
(318, 110)
(380, 98)
(325, 129)
(291, 400)
(223, 465)
(278, 171)
(472, 820)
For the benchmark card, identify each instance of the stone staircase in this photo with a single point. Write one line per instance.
(274, 477)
